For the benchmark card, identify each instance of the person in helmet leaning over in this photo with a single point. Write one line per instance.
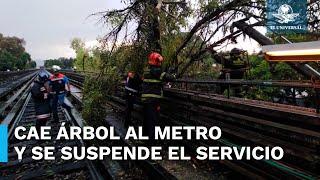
(40, 96)
(234, 65)
(151, 92)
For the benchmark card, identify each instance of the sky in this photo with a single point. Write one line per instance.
(49, 25)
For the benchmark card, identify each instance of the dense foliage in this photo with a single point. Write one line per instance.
(184, 32)
(13, 55)
(86, 59)
(64, 63)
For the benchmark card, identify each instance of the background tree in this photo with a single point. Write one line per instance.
(7, 60)
(82, 55)
(12, 54)
(209, 19)
(184, 31)
(31, 65)
(64, 63)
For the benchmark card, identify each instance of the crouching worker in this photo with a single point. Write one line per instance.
(132, 87)
(40, 96)
(152, 92)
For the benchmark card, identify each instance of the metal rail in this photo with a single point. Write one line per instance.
(249, 122)
(271, 83)
(263, 104)
(12, 75)
(17, 95)
(9, 87)
(176, 116)
(23, 114)
(258, 83)
(151, 168)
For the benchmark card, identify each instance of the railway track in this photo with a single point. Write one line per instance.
(243, 123)
(150, 169)
(14, 82)
(7, 76)
(248, 123)
(23, 114)
(13, 96)
(237, 135)
(56, 169)
(144, 169)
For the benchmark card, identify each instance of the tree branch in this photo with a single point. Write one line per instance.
(205, 19)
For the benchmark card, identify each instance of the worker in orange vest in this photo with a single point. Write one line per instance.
(59, 88)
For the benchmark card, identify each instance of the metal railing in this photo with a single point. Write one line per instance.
(188, 85)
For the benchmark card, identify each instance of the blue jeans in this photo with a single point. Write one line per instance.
(58, 100)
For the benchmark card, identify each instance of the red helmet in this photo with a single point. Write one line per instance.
(155, 59)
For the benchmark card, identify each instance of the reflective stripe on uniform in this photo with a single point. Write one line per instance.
(151, 96)
(152, 81)
(162, 75)
(130, 89)
(60, 92)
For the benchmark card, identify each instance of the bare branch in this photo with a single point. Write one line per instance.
(209, 17)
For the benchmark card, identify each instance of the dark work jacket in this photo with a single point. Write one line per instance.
(132, 86)
(232, 63)
(41, 100)
(39, 92)
(152, 87)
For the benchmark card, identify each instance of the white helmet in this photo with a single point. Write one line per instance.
(56, 68)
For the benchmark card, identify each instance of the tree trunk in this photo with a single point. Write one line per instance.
(154, 27)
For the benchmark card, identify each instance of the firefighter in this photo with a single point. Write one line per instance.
(132, 87)
(152, 92)
(40, 96)
(234, 67)
(59, 88)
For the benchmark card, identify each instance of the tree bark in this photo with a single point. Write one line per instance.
(154, 27)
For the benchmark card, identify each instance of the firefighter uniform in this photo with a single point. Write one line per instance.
(58, 91)
(234, 67)
(132, 87)
(152, 92)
